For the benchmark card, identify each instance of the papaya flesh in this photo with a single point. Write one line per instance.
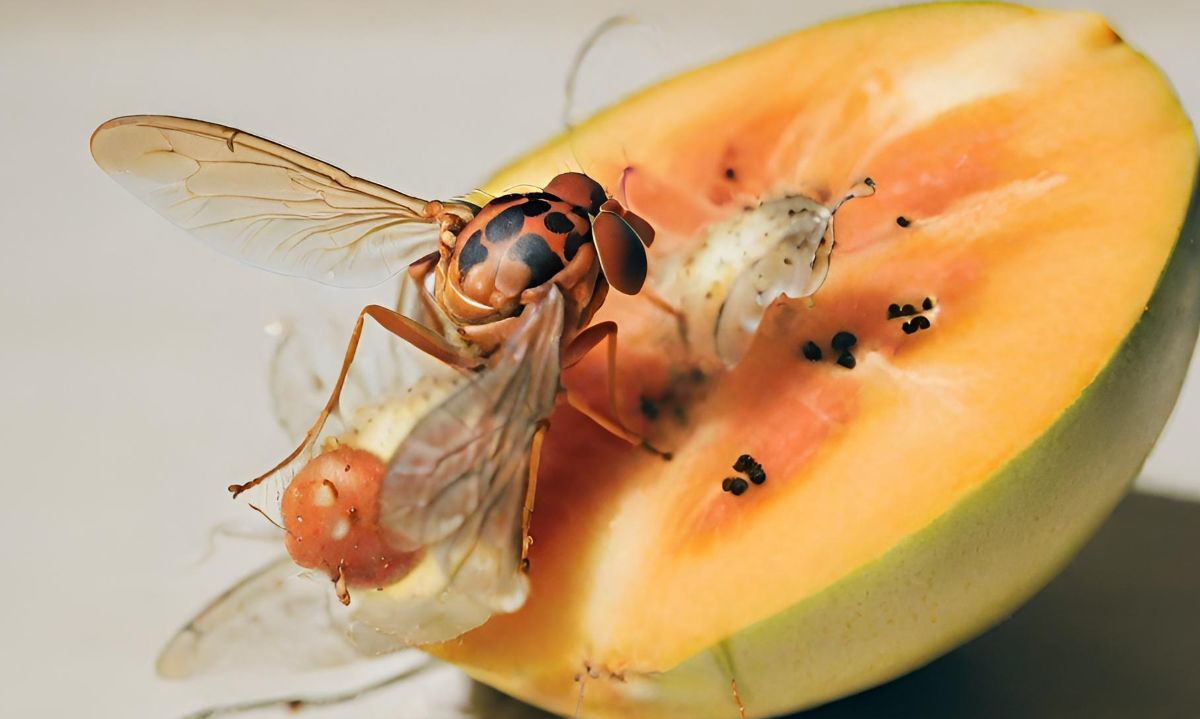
(1035, 177)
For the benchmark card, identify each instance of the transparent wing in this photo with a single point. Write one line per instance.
(308, 355)
(277, 616)
(794, 266)
(456, 485)
(301, 373)
(386, 372)
(265, 203)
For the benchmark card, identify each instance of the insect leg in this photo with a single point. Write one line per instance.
(294, 704)
(535, 459)
(583, 343)
(578, 349)
(663, 304)
(419, 270)
(607, 424)
(406, 329)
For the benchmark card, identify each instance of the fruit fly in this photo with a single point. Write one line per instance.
(509, 291)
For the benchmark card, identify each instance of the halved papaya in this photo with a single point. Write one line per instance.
(922, 477)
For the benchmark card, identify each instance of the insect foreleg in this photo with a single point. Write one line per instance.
(406, 329)
(663, 304)
(294, 704)
(412, 332)
(419, 271)
(612, 427)
(583, 343)
(535, 460)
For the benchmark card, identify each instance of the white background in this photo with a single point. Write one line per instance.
(132, 359)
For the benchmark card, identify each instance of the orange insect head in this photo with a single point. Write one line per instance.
(579, 190)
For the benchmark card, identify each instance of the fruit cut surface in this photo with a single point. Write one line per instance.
(921, 491)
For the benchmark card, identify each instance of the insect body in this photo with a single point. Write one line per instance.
(515, 286)
(516, 242)
(521, 241)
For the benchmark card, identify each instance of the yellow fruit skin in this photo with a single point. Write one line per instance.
(942, 585)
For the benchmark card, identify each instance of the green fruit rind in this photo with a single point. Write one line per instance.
(975, 564)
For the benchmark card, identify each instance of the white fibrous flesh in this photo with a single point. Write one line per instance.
(745, 263)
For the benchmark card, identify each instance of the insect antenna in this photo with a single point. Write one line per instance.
(585, 49)
(863, 188)
(268, 518)
(477, 196)
(522, 187)
(569, 89)
(620, 194)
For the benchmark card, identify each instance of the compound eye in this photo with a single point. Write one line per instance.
(621, 251)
